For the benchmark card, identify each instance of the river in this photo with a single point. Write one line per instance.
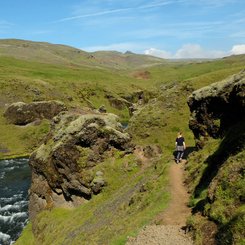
(15, 180)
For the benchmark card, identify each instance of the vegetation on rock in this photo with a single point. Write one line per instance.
(216, 173)
(20, 113)
(128, 186)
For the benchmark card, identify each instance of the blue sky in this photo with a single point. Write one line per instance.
(164, 28)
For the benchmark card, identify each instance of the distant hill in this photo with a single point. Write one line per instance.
(149, 96)
(65, 55)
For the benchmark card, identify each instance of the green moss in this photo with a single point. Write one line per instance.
(220, 198)
(120, 209)
(27, 237)
(83, 159)
(230, 190)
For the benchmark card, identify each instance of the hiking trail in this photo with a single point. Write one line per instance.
(170, 223)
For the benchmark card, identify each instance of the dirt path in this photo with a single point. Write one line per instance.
(170, 223)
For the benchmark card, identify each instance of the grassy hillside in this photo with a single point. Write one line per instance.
(218, 192)
(26, 81)
(65, 55)
(135, 193)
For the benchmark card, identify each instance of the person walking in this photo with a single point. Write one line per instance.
(180, 147)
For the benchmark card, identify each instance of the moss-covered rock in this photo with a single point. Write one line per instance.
(216, 172)
(20, 113)
(215, 108)
(62, 167)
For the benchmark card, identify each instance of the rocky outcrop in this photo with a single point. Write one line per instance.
(21, 113)
(216, 107)
(118, 103)
(140, 96)
(63, 167)
(218, 111)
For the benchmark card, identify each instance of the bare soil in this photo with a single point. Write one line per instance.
(168, 227)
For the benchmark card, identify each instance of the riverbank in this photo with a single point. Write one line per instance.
(25, 155)
(15, 180)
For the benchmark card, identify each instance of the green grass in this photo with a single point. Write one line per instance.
(121, 209)
(219, 195)
(107, 217)
(27, 235)
(20, 140)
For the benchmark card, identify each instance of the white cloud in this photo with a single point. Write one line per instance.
(196, 51)
(210, 3)
(93, 14)
(122, 47)
(189, 51)
(117, 10)
(158, 53)
(238, 49)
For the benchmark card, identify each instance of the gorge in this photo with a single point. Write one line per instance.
(96, 182)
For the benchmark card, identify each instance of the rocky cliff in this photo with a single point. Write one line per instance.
(63, 167)
(215, 108)
(215, 174)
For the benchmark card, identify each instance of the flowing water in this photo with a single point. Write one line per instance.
(15, 180)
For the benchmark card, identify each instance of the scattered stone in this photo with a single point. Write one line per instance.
(97, 184)
(152, 151)
(102, 109)
(161, 234)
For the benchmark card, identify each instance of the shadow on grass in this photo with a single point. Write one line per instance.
(187, 152)
(232, 143)
(225, 234)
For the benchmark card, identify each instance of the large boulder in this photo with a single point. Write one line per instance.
(215, 108)
(21, 113)
(64, 166)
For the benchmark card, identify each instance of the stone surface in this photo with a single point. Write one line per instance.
(216, 107)
(62, 167)
(21, 113)
(161, 235)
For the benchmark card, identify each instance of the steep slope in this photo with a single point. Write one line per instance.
(216, 173)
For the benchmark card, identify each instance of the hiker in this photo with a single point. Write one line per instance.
(180, 147)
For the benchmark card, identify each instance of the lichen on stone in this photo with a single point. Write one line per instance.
(73, 147)
(216, 107)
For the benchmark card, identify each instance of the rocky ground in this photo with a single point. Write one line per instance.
(169, 227)
(161, 235)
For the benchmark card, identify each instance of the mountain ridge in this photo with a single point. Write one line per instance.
(151, 101)
(63, 54)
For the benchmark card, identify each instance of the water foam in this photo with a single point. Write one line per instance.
(14, 184)
(11, 218)
(15, 206)
(4, 237)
